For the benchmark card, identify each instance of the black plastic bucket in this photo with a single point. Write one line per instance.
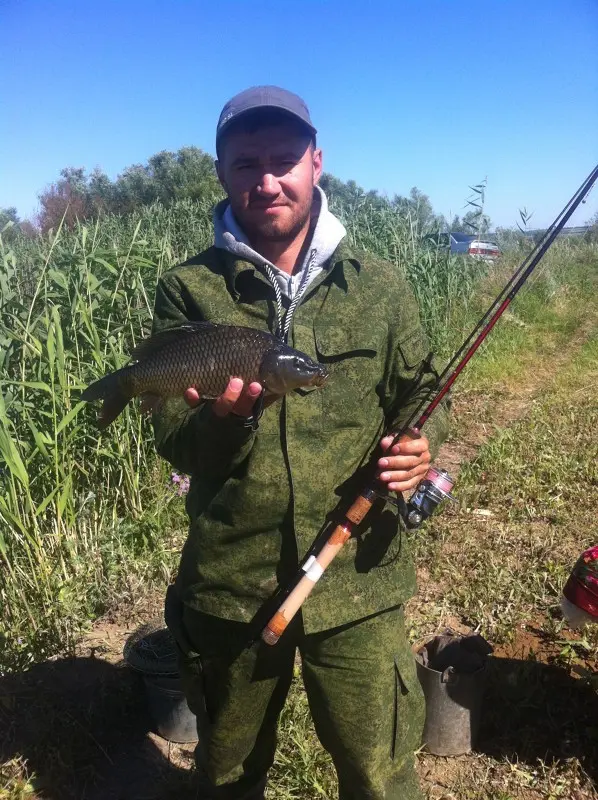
(151, 651)
(452, 672)
(172, 718)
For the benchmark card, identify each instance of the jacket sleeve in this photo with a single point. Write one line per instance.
(409, 373)
(194, 440)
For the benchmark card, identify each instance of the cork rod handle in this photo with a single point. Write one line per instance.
(314, 567)
(313, 570)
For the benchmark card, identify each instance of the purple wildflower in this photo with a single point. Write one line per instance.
(180, 483)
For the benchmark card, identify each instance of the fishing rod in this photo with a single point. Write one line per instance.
(437, 484)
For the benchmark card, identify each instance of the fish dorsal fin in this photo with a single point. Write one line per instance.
(152, 344)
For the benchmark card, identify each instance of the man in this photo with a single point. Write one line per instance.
(258, 498)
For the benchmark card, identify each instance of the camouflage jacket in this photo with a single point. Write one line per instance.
(257, 500)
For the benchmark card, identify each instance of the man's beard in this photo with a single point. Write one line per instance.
(273, 232)
(271, 229)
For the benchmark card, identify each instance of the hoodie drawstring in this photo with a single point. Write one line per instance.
(279, 308)
(282, 331)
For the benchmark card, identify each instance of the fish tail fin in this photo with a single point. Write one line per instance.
(112, 406)
(112, 389)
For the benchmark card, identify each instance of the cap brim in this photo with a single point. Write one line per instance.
(256, 109)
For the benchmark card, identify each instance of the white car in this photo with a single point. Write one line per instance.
(483, 248)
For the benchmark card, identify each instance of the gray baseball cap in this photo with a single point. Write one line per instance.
(258, 97)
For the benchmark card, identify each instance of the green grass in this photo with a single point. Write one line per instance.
(526, 507)
(302, 769)
(542, 318)
(539, 479)
(74, 505)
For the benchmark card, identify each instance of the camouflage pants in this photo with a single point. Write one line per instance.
(362, 689)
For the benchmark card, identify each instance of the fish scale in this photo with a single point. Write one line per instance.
(206, 356)
(207, 361)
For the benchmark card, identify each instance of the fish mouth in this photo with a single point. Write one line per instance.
(320, 379)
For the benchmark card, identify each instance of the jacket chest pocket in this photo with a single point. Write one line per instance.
(354, 357)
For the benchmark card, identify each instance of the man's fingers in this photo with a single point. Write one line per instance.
(403, 462)
(404, 474)
(406, 446)
(234, 399)
(224, 404)
(385, 444)
(404, 486)
(244, 405)
(414, 446)
(192, 397)
(402, 480)
(403, 466)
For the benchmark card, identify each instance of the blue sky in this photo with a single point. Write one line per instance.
(431, 93)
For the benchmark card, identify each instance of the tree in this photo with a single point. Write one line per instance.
(591, 235)
(133, 188)
(418, 208)
(9, 223)
(100, 192)
(64, 201)
(475, 222)
(456, 225)
(347, 197)
(167, 176)
(8, 216)
(188, 173)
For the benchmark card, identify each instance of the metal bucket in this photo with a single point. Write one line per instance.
(151, 651)
(452, 672)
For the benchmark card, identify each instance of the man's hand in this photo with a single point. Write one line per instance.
(404, 467)
(234, 400)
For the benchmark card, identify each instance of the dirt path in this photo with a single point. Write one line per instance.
(478, 415)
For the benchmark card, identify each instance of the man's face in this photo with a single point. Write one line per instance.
(269, 176)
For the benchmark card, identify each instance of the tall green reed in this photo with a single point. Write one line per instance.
(84, 305)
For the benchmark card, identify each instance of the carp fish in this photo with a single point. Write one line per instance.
(204, 355)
